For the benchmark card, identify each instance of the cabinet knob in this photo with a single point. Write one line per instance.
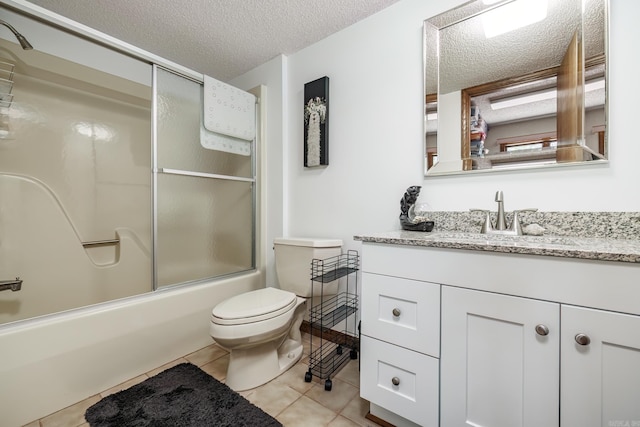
(395, 381)
(542, 330)
(396, 312)
(583, 339)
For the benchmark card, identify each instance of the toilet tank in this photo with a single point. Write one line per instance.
(293, 263)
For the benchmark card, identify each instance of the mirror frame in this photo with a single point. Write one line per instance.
(462, 166)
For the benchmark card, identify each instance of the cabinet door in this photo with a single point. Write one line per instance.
(498, 367)
(600, 378)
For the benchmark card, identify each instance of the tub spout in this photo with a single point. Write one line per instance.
(14, 285)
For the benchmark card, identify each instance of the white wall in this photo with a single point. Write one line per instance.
(376, 128)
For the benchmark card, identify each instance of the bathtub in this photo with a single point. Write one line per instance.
(49, 363)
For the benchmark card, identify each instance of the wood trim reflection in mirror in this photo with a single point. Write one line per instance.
(570, 98)
(545, 140)
(599, 130)
(432, 158)
(488, 88)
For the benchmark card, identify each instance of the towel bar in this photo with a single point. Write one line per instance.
(101, 243)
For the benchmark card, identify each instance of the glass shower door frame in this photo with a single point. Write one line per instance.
(156, 171)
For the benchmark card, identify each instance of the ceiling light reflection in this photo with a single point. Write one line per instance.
(512, 16)
(96, 131)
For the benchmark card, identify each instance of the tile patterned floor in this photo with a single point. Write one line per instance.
(288, 398)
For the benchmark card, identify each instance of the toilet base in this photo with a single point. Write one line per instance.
(252, 367)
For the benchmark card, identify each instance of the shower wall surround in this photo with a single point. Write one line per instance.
(95, 205)
(74, 170)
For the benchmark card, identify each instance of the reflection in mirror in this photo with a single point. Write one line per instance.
(528, 95)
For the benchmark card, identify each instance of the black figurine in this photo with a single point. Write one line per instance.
(406, 211)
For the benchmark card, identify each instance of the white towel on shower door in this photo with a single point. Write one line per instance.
(228, 110)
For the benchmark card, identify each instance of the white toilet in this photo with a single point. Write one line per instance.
(261, 328)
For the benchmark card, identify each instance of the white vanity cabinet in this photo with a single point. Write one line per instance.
(600, 368)
(525, 340)
(399, 348)
(499, 360)
(510, 361)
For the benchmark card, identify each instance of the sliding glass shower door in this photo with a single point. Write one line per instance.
(204, 198)
(106, 188)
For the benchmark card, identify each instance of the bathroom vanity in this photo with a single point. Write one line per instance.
(469, 329)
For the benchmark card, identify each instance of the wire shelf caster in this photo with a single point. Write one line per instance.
(328, 384)
(353, 354)
(308, 376)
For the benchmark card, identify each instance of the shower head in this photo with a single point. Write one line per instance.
(23, 41)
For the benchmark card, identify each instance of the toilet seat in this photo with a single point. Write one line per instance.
(254, 306)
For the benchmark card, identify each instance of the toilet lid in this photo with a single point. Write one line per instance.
(253, 306)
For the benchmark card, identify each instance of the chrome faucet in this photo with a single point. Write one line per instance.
(500, 227)
(14, 285)
(501, 221)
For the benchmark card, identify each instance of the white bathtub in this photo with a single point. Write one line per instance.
(50, 363)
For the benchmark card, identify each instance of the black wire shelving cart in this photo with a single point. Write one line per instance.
(336, 347)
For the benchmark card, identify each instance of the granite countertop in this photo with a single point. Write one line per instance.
(603, 249)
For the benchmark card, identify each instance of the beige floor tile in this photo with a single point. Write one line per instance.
(246, 393)
(294, 378)
(35, 423)
(71, 416)
(340, 395)
(306, 344)
(166, 366)
(306, 412)
(289, 398)
(218, 368)
(341, 421)
(356, 410)
(273, 397)
(350, 373)
(206, 355)
(125, 385)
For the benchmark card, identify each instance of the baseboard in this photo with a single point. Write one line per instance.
(328, 334)
(377, 420)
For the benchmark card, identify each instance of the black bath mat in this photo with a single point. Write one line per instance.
(180, 396)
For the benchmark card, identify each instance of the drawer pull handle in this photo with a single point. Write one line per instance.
(583, 339)
(396, 312)
(395, 381)
(542, 330)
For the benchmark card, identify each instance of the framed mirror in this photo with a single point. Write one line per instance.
(512, 84)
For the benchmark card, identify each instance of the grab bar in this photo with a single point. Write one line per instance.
(14, 285)
(101, 243)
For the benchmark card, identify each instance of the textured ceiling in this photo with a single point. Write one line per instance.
(467, 58)
(221, 38)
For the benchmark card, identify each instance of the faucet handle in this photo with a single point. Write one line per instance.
(515, 223)
(486, 225)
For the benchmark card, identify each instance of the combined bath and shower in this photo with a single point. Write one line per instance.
(23, 41)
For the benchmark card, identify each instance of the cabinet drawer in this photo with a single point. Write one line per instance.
(401, 311)
(415, 397)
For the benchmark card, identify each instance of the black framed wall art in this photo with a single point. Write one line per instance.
(316, 123)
